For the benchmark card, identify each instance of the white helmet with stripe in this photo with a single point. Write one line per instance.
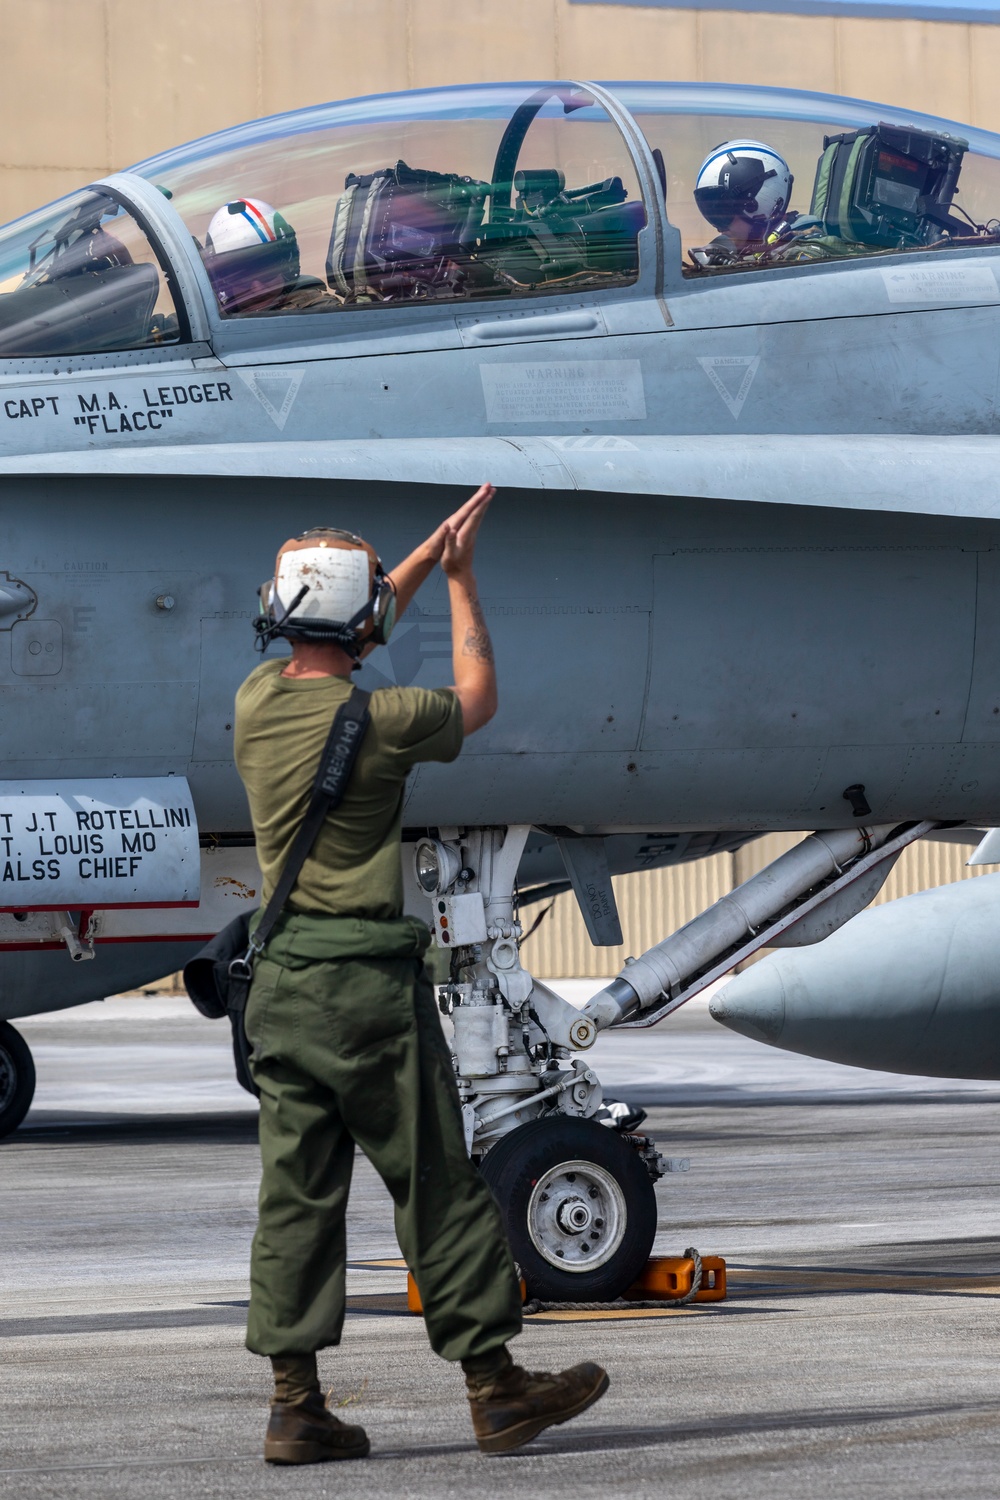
(249, 246)
(745, 180)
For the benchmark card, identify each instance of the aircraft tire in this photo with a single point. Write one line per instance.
(579, 1207)
(17, 1078)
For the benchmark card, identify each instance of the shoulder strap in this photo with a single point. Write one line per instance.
(349, 727)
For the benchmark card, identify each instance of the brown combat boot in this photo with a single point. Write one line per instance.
(510, 1406)
(307, 1432)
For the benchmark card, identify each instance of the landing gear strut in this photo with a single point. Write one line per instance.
(577, 1196)
(17, 1078)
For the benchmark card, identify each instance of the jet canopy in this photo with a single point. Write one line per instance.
(874, 179)
(449, 195)
(82, 276)
(496, 193)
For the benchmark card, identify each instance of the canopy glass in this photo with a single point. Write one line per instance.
(448, 195)
(81, 277)
(481, 194)
(890, 201)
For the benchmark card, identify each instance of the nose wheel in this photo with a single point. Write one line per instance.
(17, 1078)
(579, 1207)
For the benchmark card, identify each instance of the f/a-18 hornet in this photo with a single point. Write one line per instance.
(731, 356)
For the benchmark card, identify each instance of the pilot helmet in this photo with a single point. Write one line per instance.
(327, 586)
(746, 180)
(250, 252)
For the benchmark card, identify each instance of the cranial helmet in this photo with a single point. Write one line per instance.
(746, 180)
(327, 585)
(248, 241)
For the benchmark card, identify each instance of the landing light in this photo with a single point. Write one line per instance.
(437, 866)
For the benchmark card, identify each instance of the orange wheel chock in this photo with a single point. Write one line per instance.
(665, 1277)
(671, 1276)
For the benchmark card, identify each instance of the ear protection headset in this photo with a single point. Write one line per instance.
(278, 619)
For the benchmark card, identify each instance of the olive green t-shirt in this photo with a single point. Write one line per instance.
(282, 724)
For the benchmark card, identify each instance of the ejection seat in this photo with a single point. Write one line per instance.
(404, 233)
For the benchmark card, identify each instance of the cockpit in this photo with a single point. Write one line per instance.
(487, 194)
(460, 195)
(864, 179)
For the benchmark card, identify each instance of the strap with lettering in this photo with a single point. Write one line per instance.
(335, 766)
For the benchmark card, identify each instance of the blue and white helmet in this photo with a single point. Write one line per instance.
(744, 180)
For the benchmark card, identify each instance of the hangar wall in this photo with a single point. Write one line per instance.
(92, 85)
(657, 902)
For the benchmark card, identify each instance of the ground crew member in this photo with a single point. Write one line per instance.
(347, 1044)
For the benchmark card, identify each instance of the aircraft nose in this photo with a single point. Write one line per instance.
(753, 1004)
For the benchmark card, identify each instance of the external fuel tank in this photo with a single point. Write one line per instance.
(909, 987)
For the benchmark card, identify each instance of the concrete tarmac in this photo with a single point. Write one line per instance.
(856, 1356)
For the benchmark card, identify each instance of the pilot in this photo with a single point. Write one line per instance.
(252, 258)
(347, 1047)
(744, 189)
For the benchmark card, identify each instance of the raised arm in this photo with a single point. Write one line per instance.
(408, 575)
(472, 652)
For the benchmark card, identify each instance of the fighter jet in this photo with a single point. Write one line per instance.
(731, 356)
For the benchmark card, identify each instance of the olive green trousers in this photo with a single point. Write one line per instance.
(348, 1050)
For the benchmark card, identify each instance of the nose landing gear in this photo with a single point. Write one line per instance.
(576, 1195)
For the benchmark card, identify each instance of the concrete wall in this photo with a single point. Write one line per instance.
(92, 85)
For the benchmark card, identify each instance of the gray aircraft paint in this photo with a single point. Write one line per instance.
(744, 554)
(619, 724)
(869, 473)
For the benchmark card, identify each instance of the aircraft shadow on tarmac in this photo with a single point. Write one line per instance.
(714, 1096)
(233, 1127)
(124, 1322)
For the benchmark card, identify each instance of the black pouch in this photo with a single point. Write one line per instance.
(397, 232)
(218, 987)
(207, 978)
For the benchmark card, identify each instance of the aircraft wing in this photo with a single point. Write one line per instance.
(953, 476)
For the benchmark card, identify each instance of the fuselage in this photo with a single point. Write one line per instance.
(665, 663)
(744, 555)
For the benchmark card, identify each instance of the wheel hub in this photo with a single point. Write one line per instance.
(577, 1216)
(573, 1216)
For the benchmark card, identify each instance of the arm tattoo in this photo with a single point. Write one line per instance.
(477, 638)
